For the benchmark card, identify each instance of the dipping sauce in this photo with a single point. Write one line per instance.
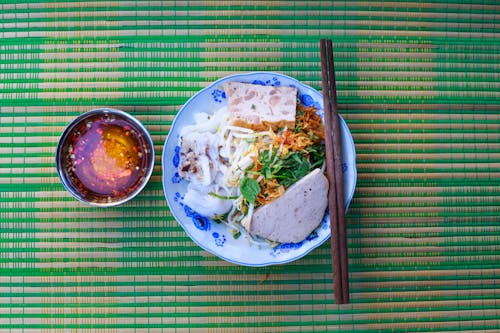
(106, 158)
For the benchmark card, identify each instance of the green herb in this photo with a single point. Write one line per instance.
(221, 217)
(253, 107)
(298, 122)
(292, 167)
(266, 160)
(224, 197)
(249, 188)
(317, 155)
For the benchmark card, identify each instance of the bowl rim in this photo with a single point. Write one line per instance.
(77, 121)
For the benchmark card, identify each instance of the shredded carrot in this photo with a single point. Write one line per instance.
(309, 131)
(310, 122)
(270, 190)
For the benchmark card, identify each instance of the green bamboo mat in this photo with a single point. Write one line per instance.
(418, 84)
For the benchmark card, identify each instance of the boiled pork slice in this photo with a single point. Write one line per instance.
(295, 214)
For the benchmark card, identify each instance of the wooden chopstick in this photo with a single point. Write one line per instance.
(333, 148)
(339, 178)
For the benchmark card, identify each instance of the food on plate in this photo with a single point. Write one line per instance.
(295, 214)
(236, 168)
(261, 107)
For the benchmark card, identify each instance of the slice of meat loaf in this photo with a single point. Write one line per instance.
(295, 214)
(261, 107)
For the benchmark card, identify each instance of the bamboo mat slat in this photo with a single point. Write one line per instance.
(418, 85)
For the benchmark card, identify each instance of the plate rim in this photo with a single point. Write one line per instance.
(168, 139)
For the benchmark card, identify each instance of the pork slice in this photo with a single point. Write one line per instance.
(295, 214)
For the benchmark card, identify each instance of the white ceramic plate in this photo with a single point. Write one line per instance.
(216, 237)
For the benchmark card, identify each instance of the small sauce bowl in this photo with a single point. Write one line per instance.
(105, 157)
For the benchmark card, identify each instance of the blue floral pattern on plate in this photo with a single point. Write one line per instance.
(177, 156)
(274, 81)
(218, 95)
(217, 238)
(199, 221)
(287, 247)
(307, 100)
